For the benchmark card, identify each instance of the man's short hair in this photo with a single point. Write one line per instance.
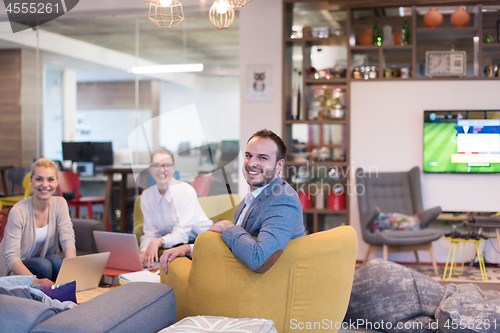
(265, 133)
(163, 151)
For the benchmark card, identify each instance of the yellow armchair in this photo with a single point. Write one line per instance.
(12, 200)
(308, 287)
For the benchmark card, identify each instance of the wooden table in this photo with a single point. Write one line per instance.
(87, 295)
(3, 175)
(110, 171)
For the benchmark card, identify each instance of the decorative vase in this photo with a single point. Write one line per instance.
(460, 18)
(387, 38)
(433, 18)
(397, 37)
(366, 38)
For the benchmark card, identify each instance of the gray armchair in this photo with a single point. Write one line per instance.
(84, 235)
(395, 192)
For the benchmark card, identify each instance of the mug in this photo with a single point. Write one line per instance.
(405, 72)
(305, 200)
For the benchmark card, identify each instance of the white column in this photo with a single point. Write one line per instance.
(69, 104)
(261, 26)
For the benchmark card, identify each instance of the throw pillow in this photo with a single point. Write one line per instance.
(62, 292)
(221, 324)
(4, 215)
(395, 221)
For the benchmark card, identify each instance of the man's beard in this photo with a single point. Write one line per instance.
(267, 179)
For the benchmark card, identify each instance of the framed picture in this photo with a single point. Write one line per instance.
(445, 63)
(259, 83)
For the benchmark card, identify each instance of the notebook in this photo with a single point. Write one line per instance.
(85, 270)
(125, 256)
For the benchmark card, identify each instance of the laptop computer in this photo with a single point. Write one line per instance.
(125, 256)
(86, 270)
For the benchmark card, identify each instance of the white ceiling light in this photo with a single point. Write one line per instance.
(178, 68)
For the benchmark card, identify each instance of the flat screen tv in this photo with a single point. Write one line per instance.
(99, 153)
(462, 141)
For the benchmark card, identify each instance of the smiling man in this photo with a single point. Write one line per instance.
(271, 212)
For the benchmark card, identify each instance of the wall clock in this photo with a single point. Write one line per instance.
(445, 63)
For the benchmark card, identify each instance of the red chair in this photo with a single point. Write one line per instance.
(69, 182)
(202, 184)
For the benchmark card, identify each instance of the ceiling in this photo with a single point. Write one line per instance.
(195, 40)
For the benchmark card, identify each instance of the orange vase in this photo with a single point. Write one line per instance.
(460, 18)
(433, 18)
(397, 36)
(366, 38)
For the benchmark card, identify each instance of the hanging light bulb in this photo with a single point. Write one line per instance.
(165, 3)
(235, 3)
(221, 14)
(222, 7)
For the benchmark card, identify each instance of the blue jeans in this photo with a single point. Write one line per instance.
(45, 268)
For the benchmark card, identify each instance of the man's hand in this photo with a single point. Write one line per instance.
(221, 226)
(171, 254)
(151, 253)
(42, 282)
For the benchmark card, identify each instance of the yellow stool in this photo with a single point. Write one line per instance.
(453, 265)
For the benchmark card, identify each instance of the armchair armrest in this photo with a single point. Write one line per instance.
(429, 215)
(368, 216)
(177, 278)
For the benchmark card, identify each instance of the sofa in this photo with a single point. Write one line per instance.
(134, 307)
(217, 207)
(310, 282)
(84, 235)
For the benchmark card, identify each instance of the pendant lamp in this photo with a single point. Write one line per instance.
(165, 13)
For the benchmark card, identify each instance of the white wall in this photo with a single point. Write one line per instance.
(386, 133)
(218, 109)
(261, 26)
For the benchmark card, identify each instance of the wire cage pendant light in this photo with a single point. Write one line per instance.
(165, 13)
(235, 3)
(221, 14)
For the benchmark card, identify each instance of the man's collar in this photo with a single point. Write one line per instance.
(258, 191)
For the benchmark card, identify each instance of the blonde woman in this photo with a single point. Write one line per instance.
(35, 228)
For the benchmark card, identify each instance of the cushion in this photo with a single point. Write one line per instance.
(465, 308)
(62, 292)
(395, 221)
(221, 324)
(385, 291)
(4, 215)
(20, 314)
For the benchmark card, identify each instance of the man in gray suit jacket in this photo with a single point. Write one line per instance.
(271, 212)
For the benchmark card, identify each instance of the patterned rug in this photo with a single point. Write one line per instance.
(469, 275)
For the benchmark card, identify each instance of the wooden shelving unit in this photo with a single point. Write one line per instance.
(469, 39)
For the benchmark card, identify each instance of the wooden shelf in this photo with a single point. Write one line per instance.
(383, 47)
(332, 40)
(342, 81)
(446, 32)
